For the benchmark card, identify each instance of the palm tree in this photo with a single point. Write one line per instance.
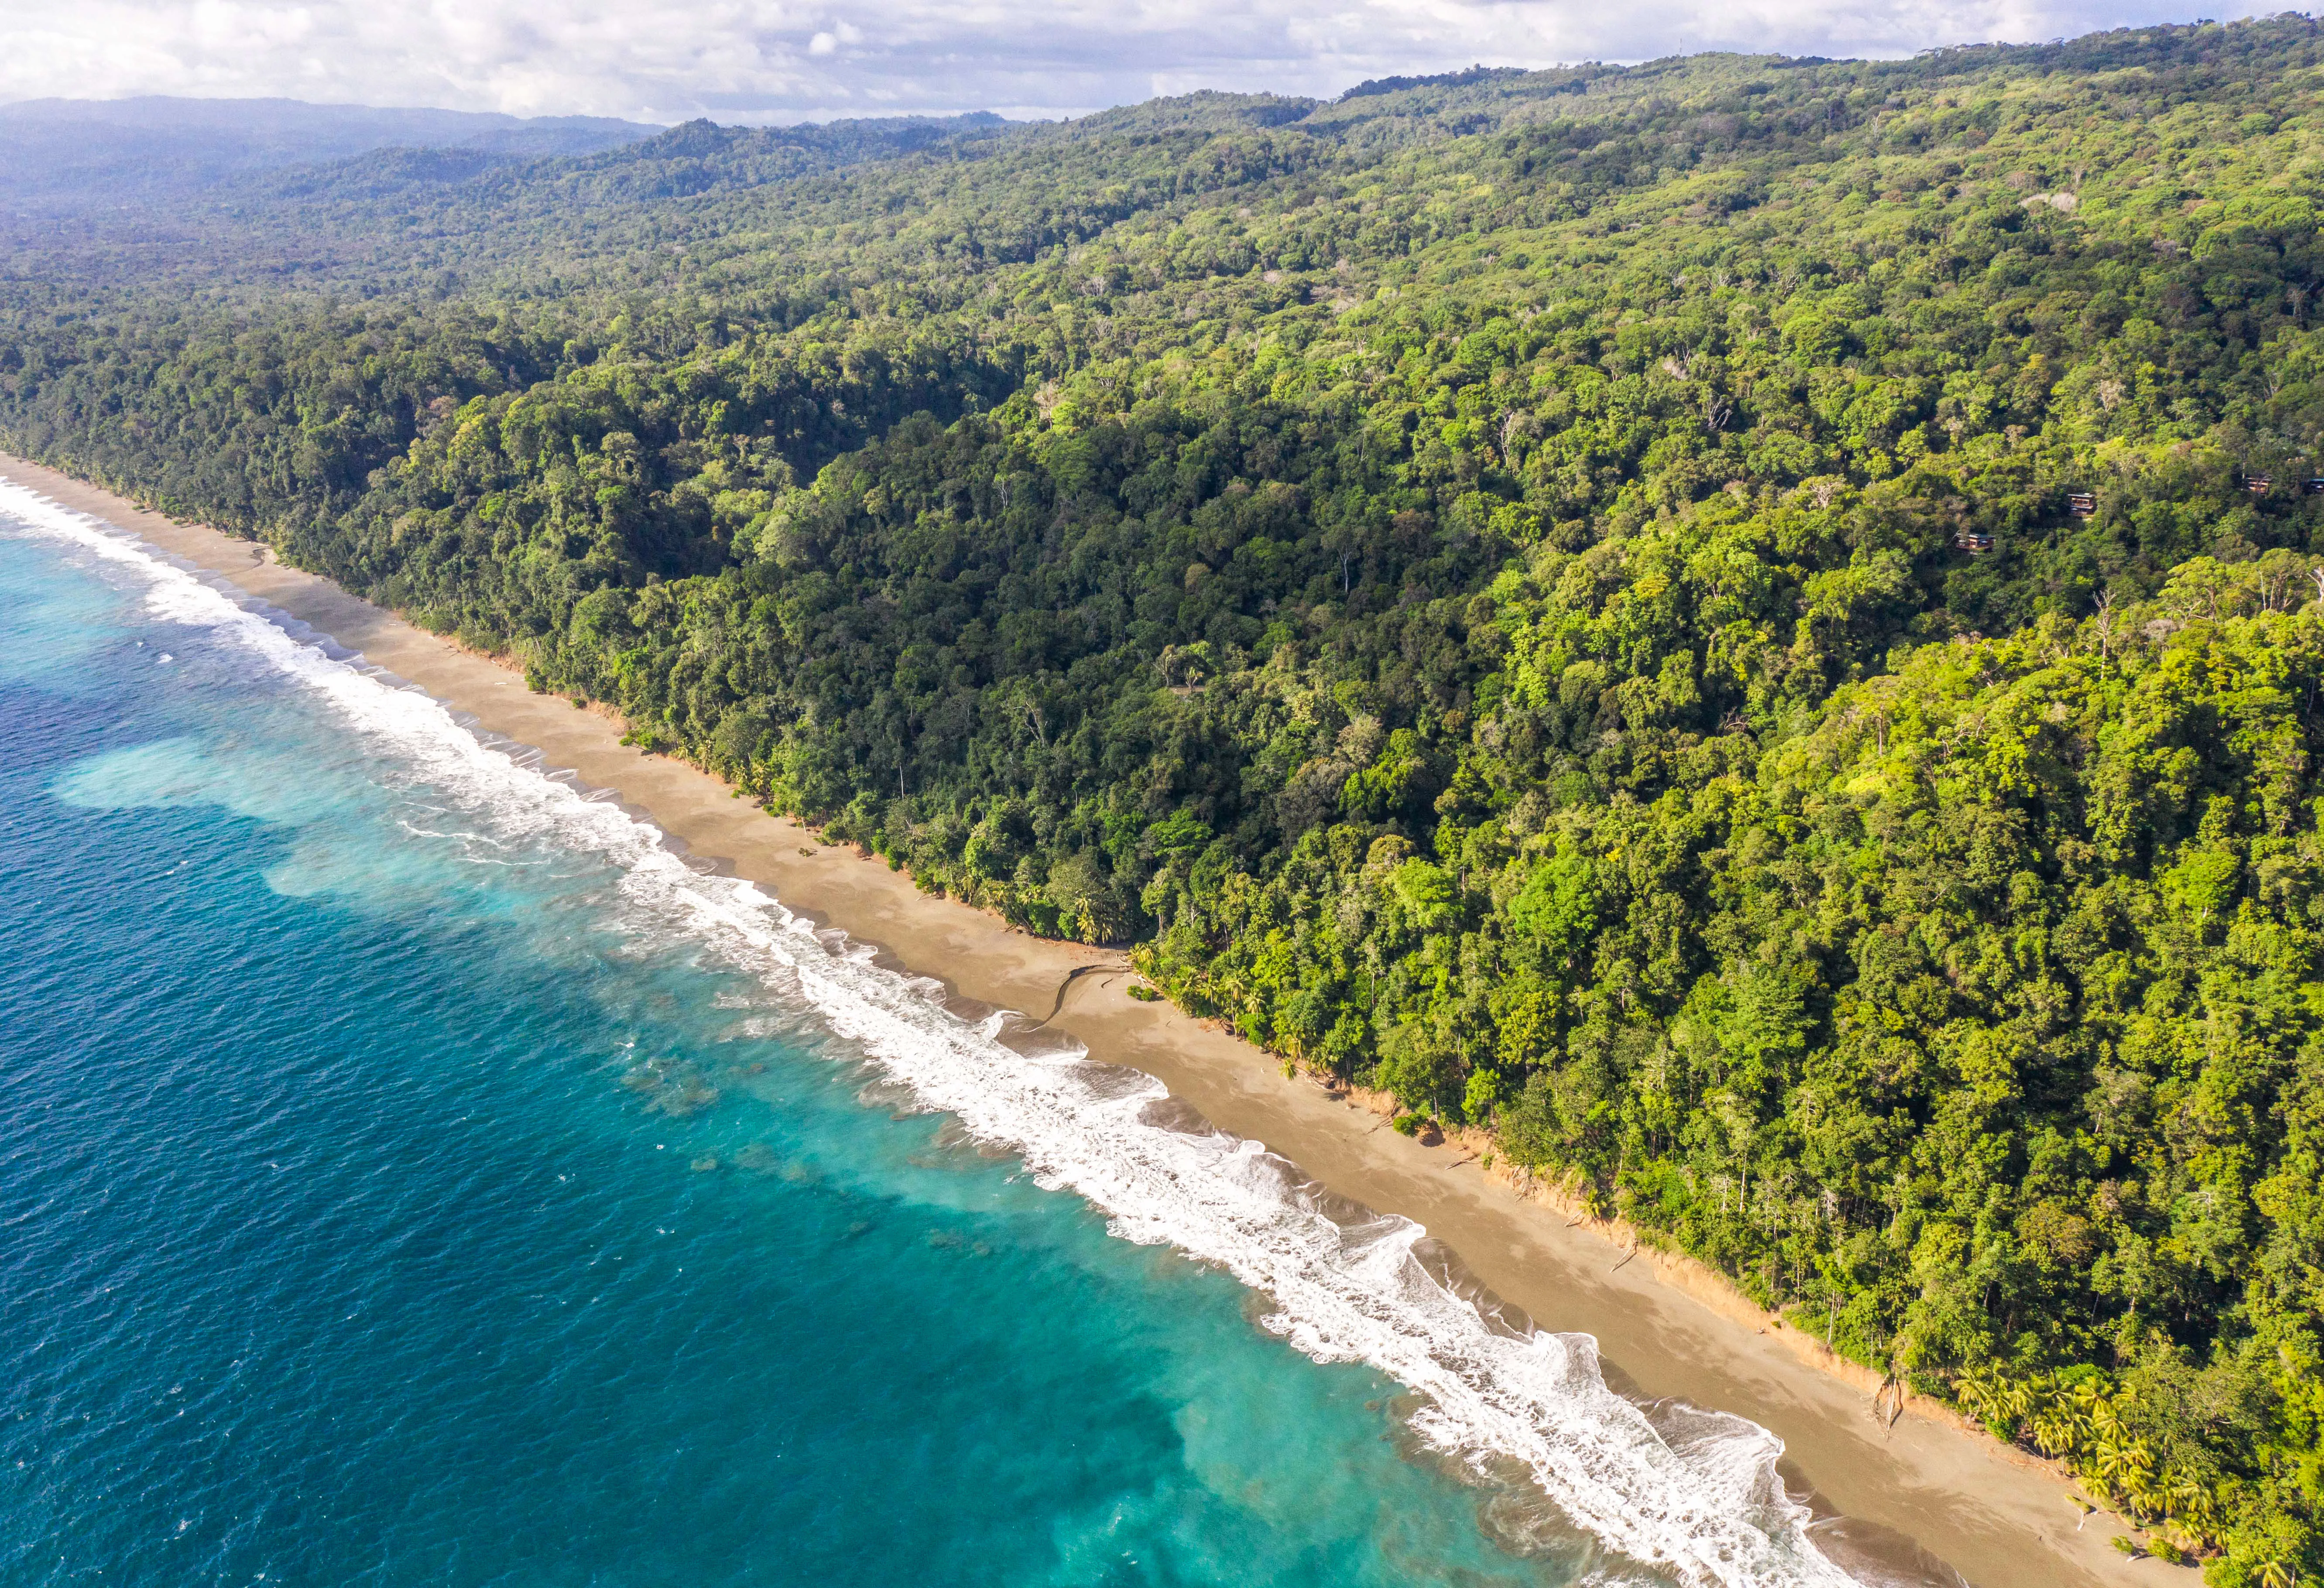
(2184, 1497)
(1234, 988)
(2103, 1411)
(1979, 1393)
(2061, 1427)
(2018, 1402)
(2121, 1464)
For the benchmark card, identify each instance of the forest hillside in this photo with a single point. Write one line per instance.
(1753, 626)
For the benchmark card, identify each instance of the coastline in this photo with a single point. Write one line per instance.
(1666, 1326)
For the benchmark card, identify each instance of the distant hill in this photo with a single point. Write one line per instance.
(83, 155)
(102, 202)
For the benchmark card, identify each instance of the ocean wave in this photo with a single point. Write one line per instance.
(1701, 1506)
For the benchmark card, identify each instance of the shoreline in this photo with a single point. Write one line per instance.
(1666, 1326)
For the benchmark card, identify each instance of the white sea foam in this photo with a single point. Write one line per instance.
(1702, 1506)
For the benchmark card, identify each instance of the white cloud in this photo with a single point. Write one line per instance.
(770, 59)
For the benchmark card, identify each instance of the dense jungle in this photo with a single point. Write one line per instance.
(1753, 627)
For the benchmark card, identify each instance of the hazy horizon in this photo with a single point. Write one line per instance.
(748, 62)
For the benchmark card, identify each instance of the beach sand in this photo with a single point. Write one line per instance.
(1665, 1327)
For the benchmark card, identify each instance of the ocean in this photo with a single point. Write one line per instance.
(413, 1170)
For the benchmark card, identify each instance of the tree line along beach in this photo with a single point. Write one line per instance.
(1923, 1481)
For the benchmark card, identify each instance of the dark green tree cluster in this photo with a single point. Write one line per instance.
(1755, 627)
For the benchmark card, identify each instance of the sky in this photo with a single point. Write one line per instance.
(774, 60)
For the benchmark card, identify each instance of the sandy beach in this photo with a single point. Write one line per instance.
(1666, 1328)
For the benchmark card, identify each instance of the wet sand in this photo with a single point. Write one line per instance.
(1665, 1327)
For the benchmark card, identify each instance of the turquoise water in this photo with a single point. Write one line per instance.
(410, 1172)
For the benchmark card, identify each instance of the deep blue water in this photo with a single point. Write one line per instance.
(378, 1204)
